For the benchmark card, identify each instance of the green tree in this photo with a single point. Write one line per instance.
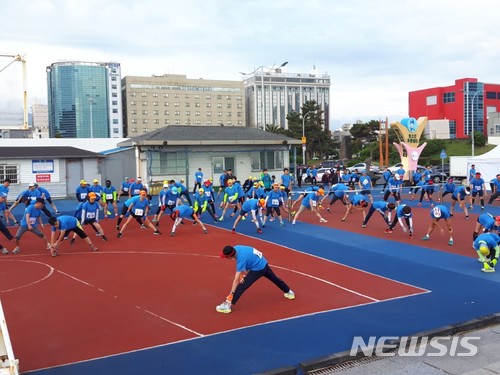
(319, 141)
(479, 139)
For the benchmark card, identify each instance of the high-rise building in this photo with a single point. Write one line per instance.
(271, 94)
(466, 105)
(153, 102)
(40, 117)
(84, 100)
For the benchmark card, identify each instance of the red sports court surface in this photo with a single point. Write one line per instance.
(143, 290)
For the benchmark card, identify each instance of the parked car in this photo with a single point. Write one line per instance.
(436, 175)
(332, 164)
(363, 166)
(321, 172)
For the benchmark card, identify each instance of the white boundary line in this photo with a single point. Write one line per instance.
(51, 271)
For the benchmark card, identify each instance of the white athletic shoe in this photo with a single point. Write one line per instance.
(17, 250)
(224, 307)
(290, 294)
(5, 251)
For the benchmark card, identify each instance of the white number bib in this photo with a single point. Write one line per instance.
(436, 212)
(275, 202)
(32, 220)
(90, 215)
(257, 252)
(138, 212)
(109, 196)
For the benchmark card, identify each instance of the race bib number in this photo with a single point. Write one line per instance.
(365, 182)
(90, 215)
(138, 212)
(436, 212)
(32, 220)
(275, 202)
(170, 203)
(313, 203)
(257, 252)
(208, 194)
(477, 187)
(109, 196)
(137, 191)
(125, 189)
(83, 196)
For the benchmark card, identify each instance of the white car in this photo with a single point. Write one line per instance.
(363, 166)
(321, 172)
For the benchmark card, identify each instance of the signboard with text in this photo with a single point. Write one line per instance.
(42, 166)
(45, 177)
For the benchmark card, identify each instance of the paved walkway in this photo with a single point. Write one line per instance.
(485, 362)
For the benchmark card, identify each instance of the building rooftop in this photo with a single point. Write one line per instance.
(46, 152)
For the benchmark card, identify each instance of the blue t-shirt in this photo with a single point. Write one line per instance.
(357, 199)
(249, 259)
(366, 182)
(198, 176)
(66, 222)
(250, 205)
(81, 193)
(90, 211)
(400, 213)
(339, 190)
(487, 221)
(44, 192)
(273, 198)
(184, 211)
(477, 184)
(440, 212)
(380, 206)
(460, 192)
(135, 188)
(34, 214)
(491, 239)
(310, 199)
(286, 179)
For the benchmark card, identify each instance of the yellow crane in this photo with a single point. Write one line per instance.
(22, 59)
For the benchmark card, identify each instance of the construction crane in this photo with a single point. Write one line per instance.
(22, 59)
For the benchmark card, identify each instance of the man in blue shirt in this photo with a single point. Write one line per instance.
(383, 208)
(124, 188)
(310, 201)
(252, 206)
(359, 203)
(135, 187)
(137, 207)
(198, 179)
(3, 228)
(29, 223)
(286, 180)
(477, 187)
(437, 213)
(250, 267)
(66, 224)
(459, 196)
(495, 193)
(403, 215)
(486, 223)
(82, 190)
(472, 172)
(182, 212)
(486, 246)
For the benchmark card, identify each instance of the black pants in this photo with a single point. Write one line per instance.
(253, 276)
(370, 213)
(5, 231)
(493, 197)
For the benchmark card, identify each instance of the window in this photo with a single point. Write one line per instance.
(497, 128)
(239, 105)
(132, 102)
(168, 163)
(143, 94)
(134, 121)
(114, 87)
(188, 113)
(134, 130)
(449, 97)
(219, 97)
(209, 105)
(115, 121)
(113, 78)
(228, 105)
(155, 95)
(145, 121)
(133, 94)
(165, 104)
(238, 114)
(219, 113)
(145, 104)
(9, 171)
(177, 113)
(116, 130)
(167, 121)
(156, 112)
(431, 100)
(176, 104)
(145, 112)
(208, 97)
(133, 112)
(144, 130)
(114, 102)
(187, 104)
(267, 159)
(114, 95)
(219, 105)
(197, 96)
(228, 114)
(165, 95)
(156, 122)
(491, 95)
(197, 104)
(115, 110)
(197, 113)
(155, 104)
(177, 122)
(209, 113)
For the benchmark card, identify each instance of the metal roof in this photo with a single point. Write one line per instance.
(177, 135)
(45, 152)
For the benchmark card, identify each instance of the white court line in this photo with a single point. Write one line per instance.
(51, 271)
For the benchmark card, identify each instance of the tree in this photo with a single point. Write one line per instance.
(319, 141)
(479, 139)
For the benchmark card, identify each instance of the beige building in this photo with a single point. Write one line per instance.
(40, 120)
(151, 103)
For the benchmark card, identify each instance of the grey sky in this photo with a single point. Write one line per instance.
(375, 51)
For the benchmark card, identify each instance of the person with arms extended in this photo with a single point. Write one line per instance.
(250, 266)
(486, 246)
(437, 213)
(66, 224)
(30, 223)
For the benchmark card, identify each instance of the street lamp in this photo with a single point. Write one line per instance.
(262, 106)
(304, 140)
(472, 117)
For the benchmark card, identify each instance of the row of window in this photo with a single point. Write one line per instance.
(171, 163)
(187, 104)
(9, 171)
(187, 113)
(186, 122)
(186, 96)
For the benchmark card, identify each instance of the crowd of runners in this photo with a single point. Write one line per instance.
(261, 200)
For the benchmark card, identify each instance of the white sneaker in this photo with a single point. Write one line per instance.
(293, 222)
(323, 221)
(17, 250)
(5, 251)
(224, 307)
(290, 294)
